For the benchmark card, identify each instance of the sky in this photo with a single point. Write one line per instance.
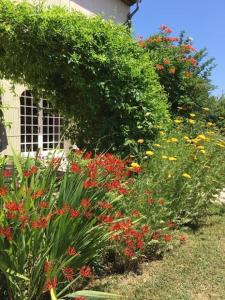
(203, 20)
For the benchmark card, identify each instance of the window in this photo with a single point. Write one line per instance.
(40, 128)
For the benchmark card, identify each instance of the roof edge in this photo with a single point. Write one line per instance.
(129, 2)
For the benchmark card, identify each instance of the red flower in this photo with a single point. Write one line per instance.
(60, 212)
(14, 206)
(75, 168)
(48, 266)
(27, 173)
(167, 237)
(136, 213)
(145, 229)
(129, 252)
(166, 29)
(182, 238)
(50, 284)
(37, 194)
(150, 200)
(188, 48)
(88, 214)
(71, 251)
(159, 67)
(33, 170)
(89, 184)
(3, 191)
(87, 155)
(5, 232)
(171, 39)
(170, 223)
(106, 219)
(85, 203)
(43, 204)
(6, 173)
(85, 271)
(104, 205)
(68, 273)
(40, 223)
(156, 235)
(74, 213)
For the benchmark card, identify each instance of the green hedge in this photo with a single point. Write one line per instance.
(90, 69)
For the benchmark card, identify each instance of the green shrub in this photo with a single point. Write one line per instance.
(90, 69)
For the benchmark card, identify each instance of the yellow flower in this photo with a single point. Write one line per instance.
(149, 153)
(220, 145)
(169, 175)
(193, 115)
(202, 151)
(221, 118)
(157, 145)
(210, 124)
(186, 175)
(164, 157)
(135, 165)
(172, 140)
(191, 121)
(178, 121)
(205, 109)
(140, 141)
(172, 158)
(202, 137)
(186, 138)
(200, 147)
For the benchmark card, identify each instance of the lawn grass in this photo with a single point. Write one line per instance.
(196, 270)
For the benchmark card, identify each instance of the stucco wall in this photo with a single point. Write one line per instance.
(109, 9)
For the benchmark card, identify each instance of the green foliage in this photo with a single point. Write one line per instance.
(184, 72)
(90, 69)
(181, 175)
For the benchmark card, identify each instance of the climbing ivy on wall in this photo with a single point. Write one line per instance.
(90, 69)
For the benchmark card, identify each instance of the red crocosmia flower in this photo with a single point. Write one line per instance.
(156, 235)
(106, 219)
(50, 284)
(5, 232)
(85, 271)
(27, 173)
(150, 200)
(171, 39)
(159, 67)
(33, 169)
(136, 213)
(166, 61)
(145, 229)
(85, 203)
(88, 214)
(188, 48)
(129, 252)
(122, 191)
(37, 194)
(6, 173)
(167, 237)
(104, 205)
(48, 266)
(172, 70)
(182, 238)
(75, 168)
(87, 155)
(60, 211)
(166, 29)
(74, 213)
(71, 251)
(3, 191)
(118, 215)
(40, 223)
(68, 273)
(14, 206)
(161, 202)
(140, 244)
(43, 204)
(89, 184)
(170, 223)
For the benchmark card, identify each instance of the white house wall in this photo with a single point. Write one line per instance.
(109, 9)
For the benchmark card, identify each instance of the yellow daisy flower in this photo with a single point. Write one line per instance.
(135, 165)
(140, 141)
(191, 121)
(149, 153)
(172, 158)
(186, 175)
